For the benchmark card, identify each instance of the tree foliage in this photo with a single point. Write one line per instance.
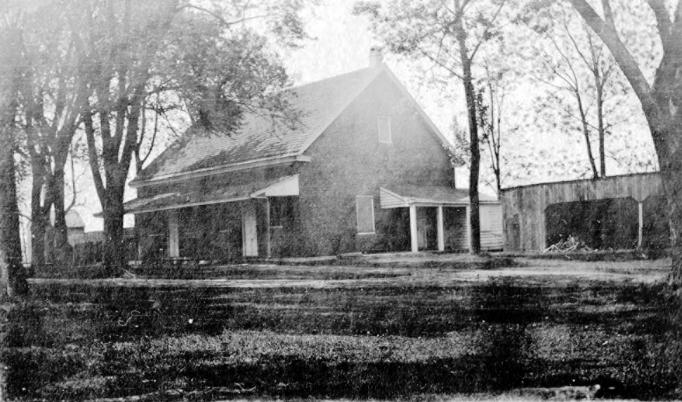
(661, 101)
(490, 102)
(585, 92)
(119, 69)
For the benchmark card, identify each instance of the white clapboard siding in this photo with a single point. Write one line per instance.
(491, 241)
(491, 227)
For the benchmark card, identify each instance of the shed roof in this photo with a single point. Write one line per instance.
(402, 195)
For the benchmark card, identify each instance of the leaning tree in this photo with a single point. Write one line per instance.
(661, 101)
(661, 98)
(583, 83)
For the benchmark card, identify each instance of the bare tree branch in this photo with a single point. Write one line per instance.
(439, 62)
(486, 31)
(608, 13)
(663, 19)
(220, 18)
(74, 192)
(93, 159)
(624, 58)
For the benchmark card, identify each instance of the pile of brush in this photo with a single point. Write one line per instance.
(572, 243)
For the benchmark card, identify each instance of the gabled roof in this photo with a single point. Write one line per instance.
(257, 139)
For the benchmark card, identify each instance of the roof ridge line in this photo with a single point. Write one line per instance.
(333, 77)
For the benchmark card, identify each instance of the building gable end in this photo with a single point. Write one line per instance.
(430, 126)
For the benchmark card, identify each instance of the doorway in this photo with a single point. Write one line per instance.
(249, 230)
(426, 228)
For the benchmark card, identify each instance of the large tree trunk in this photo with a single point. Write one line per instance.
(12, 275)
(38, 218)
(671, 175)
(670, 161)
(62, 248)
(470, 95)
(600, 127)
(474, 167)
(12, 272)
(114, 251)
(665, 123)
(674, 181)
(586, 134)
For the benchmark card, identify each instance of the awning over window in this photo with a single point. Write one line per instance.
(279, 187)
(284, 187)
(399, 196)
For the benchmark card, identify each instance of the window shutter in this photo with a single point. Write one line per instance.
(364, 209)
(384, 129)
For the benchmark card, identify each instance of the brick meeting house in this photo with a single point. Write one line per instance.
(364, 170)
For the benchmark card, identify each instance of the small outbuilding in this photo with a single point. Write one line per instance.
(615, 212)
(75, 227)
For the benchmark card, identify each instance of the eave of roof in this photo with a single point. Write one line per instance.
(233, 167)
(590, 180)
(434, 195)
(283, 186)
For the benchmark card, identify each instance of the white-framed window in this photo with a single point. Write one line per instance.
(384, 129)
(364, 210)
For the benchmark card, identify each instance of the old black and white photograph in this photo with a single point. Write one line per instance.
(385, 200)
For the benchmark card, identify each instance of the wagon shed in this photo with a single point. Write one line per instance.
(626, 211)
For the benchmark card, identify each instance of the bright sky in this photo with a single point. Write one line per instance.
(340, 43)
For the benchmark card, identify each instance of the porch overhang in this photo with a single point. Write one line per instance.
(413, 197)
(405, 195)
(217, 170)
(279, 187)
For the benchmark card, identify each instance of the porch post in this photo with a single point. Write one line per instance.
(268, 250)
(414, 245)
(173, 234)
(640, 223)
(249, 230)
(468, 226)
(440, 229)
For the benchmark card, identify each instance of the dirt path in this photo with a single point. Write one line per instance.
(532, 271)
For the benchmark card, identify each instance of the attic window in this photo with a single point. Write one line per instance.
(364, 209)
(384, 128)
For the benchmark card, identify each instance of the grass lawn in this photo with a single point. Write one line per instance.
(346, 332)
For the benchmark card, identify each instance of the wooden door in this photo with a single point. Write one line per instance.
(249, 231)
(426, 228)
